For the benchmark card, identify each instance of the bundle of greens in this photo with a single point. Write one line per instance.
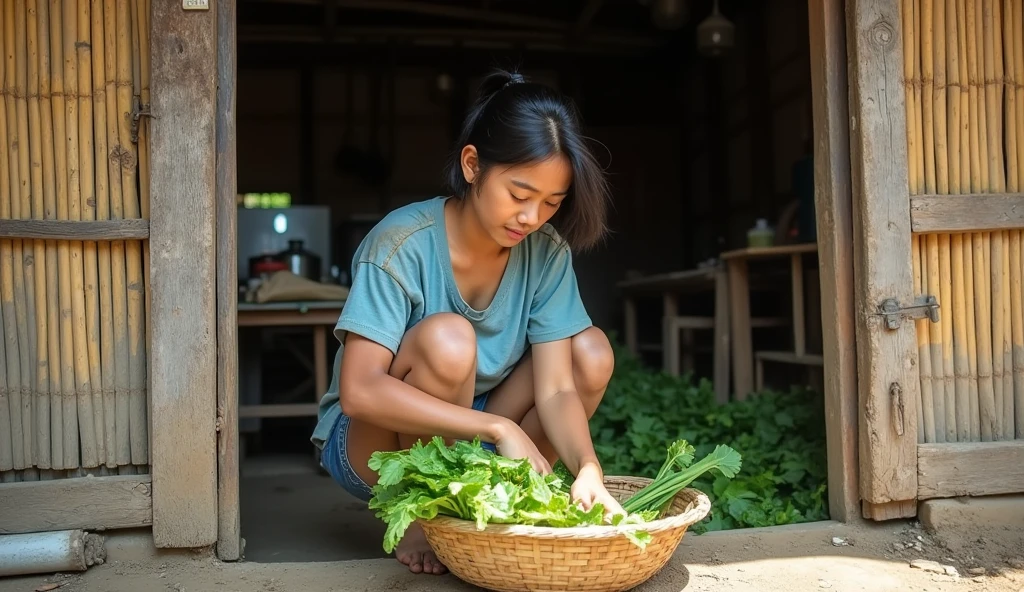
(466, 481)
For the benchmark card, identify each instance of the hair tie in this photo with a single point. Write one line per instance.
(515, 78)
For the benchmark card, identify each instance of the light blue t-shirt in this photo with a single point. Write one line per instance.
(402, 273)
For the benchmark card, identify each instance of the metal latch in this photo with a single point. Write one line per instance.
(139, 109)
(924, 307)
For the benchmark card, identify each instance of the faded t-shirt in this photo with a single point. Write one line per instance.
(402, 273)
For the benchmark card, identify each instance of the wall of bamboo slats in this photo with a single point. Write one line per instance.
(964, 72)
(73, 396)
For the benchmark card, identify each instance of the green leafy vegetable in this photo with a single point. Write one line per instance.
(677, 474)
(469, 482)
(781, 436)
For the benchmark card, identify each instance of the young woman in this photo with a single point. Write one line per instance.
(464, 318)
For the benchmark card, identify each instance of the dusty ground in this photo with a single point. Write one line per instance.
(793, 559)
(303, 534)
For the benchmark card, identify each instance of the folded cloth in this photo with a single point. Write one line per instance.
(285, 286)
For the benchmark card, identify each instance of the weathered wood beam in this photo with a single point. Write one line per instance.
(91, 230)
(970, 468)
(437, 36)
(93, 503)
(450, 11)
(888, 378)
(229, 538)
(834, 211)
(978, 212)
(183, 338)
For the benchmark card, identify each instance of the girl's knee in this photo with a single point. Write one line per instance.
(446, 342)
(593, 360)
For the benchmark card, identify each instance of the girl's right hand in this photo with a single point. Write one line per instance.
(515, 444)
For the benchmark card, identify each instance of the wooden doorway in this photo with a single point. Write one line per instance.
(940, 333)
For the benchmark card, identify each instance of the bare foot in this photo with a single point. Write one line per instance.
(414, 550)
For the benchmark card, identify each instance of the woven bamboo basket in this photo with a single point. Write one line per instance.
(512, 558)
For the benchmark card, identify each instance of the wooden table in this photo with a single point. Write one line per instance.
(320, 316)
(669, 286)
(739, 304)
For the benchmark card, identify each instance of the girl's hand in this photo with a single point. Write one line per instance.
(588, 489)
(515, 444)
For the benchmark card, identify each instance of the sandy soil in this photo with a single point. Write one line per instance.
(875, 558)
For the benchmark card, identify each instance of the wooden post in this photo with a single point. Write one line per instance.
(887, 358)
(834, 211)
(229, 542)
(183, 377)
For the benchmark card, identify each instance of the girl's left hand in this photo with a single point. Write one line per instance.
(588, 489)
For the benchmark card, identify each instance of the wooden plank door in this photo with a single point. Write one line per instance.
(937, 176)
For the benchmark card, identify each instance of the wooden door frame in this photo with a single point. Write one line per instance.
(183, 315)
(229, 539)
(834, 213)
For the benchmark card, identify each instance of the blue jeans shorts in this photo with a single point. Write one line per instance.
(335, 461)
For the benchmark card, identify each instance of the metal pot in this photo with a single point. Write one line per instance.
(299, 261)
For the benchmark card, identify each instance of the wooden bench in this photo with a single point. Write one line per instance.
(783, 357)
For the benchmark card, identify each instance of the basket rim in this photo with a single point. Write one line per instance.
(700, 506)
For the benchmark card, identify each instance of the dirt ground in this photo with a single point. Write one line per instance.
(816, 557)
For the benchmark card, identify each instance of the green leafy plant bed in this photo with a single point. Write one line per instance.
(780, 435)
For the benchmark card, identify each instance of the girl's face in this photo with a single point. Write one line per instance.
(512, 202)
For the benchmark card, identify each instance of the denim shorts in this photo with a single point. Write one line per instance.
(335, 461)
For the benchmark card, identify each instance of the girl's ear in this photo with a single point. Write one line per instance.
(470, 163)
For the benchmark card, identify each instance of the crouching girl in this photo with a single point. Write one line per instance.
(464, 318)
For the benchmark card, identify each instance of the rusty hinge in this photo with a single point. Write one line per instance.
(138, 110)
(923, 307)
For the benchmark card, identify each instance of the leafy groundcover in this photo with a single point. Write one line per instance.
(781, 436)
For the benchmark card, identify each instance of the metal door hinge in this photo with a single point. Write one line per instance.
(923, 307)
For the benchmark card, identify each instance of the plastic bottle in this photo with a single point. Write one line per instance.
(761, 235)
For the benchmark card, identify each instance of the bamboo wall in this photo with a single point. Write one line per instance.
(73, 396)
(964, 68)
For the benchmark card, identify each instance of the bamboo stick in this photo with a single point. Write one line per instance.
(966, 317)
(61, 125)
(1018, 91)
(1003, 347)
(958, 408)
(6, 448)
(1012, 16)
(965, 110)
(1006, 413)
(968, 428)
(982, 385)
(117, 248)
(983, 241)
(87, 178)
(10, 257)
(86, 425)
(49, 213)
(106, 383)
(915, 155)
(998, 321)
(41, 407)
(133, 249)
(931, 258)
(943, 158)
(8, 408)
(973, 423)
(24, 269)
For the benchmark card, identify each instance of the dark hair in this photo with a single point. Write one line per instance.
(517, 122)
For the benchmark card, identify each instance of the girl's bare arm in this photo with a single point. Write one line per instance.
(559, 406)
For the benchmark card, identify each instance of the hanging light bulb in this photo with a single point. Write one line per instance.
(715, 34)
(669, 14)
